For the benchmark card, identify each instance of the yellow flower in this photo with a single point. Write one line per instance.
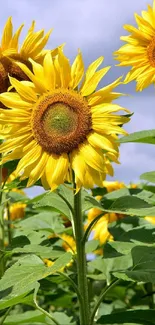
(17, 211)
(150, 219)
(68, 244)
(10, 53)
(55, 128)
(113, 186)
(100, 229)
(139, 52)
(47, 262)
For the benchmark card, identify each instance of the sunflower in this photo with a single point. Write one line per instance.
(10, 53)
(139, 52)
(17, 211)
(56, 127)
(113, 186)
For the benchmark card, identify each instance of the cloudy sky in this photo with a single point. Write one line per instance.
(95, 26)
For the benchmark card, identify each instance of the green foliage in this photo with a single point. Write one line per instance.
(39, 283)
(146, 136)
(144, 317)
(149, 176)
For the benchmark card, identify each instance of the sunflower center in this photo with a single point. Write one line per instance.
(151, 52)
(61, 121)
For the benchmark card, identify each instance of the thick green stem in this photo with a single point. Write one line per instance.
(81, 261)
(9, 223)
(2, 229)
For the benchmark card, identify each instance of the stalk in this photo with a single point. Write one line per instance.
(81, 260)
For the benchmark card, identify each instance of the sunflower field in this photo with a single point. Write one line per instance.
(83, 251)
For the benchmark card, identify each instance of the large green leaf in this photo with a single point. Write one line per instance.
(37, 317)
(33, 316)
(47, 220)
(53, 200)
(149, 176)
(108, 265)
(146, 136)
(144, 317)
(39, 250)
(130, 205)
(21, 278)
(143, 264)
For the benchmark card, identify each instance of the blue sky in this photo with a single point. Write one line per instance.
(95, 26)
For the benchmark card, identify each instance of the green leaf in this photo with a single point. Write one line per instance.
(47, 220)
(67, 192)
(62, 318)
(17, 197)
(40, 250)
(108, 265)
(91, 245)
(143, 264)
(33, 316)
(53, 200)
(149, 176)
(89, 201)
(146, 136)
(130, 205)
(21, 278)
(144, 317)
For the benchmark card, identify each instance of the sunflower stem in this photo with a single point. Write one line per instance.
(2, 229)
(9, 222)
(81, 260)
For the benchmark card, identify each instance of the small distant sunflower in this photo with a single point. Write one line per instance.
(100, 230)
(56, 127)
(17, 211)
(113, 186)
(32, 47)
(139, 52)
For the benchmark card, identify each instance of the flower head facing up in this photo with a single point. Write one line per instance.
(55, 128)
(10, 53)
(139, 52)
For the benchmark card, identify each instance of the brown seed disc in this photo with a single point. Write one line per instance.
(61, 121)
(151, 52)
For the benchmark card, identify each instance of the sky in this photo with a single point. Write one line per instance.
(95, 26)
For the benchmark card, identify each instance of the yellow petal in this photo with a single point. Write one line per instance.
(49, 71)
(91, 84)
(30, 157)
(37, 82)
(37, 69)
(103, 142)
(37, 49)
(30, 42)
(50, 167)
(13, 100)
(15, 38)
(78, 165)
(24, 91)
(77, 71)
(38, 170)
(14, 143)
(96, 159)
(7, 34)
(93, 67)
(64, 68)
(103, 92)
(60, 171)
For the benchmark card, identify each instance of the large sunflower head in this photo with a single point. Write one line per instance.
(57, 126)
(32, 47)
(139, 52)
